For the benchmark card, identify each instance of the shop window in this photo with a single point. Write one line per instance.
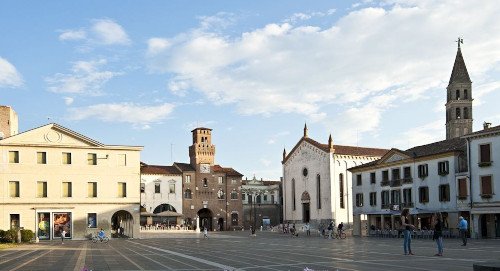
(92, 220)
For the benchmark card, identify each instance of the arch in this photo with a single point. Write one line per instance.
(206, 217)
(122, 223)
(234, 219)
(164, 207)
(187, 194)
(305, 197)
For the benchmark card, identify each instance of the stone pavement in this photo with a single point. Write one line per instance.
(238, 251)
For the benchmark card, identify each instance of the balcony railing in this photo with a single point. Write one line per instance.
(484, 164)
(407, 180)
(396, 182)
(384, 183)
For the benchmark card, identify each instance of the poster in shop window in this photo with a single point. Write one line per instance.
(43, 229)
(62, 221)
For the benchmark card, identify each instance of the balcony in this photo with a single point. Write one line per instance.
(395, 183)
(384, 183)
(395, 207)
(484, 164)
(407, 205)
(407, 180)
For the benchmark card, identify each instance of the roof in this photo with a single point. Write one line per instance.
(340, 149)
(184, 166)
(201, 128)
(459, 73)
(227, 170)
(450, 145)
(487, 131)
(160, 170)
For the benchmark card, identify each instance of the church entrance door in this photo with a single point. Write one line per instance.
(306, 212)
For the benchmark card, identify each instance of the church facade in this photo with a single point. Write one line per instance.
(316, 182)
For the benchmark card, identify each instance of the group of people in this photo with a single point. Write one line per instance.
(438, 231)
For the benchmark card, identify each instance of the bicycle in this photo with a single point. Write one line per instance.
(96, 238)
(342, 235)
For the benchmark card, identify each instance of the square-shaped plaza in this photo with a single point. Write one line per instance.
(238, 251)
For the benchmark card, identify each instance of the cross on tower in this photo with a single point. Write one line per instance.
(460, 40)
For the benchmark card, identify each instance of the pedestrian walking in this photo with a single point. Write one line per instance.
(462, 228)
(205, 232)
(407, 229)
(63, 234)
(438, 233)
(308, 229)
(330, 230)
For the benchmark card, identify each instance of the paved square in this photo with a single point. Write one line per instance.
(238, 251)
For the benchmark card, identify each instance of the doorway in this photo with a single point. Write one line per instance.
(306, 212)
(122, 224)
(205, 216)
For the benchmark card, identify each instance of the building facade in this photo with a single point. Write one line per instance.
(484, 149)
(55, 179)
(316, 183)
(261, 203)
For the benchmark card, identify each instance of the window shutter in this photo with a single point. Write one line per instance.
(486, 185)
(462, 188)
(485, 153)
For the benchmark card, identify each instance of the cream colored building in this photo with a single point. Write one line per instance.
(53, 178)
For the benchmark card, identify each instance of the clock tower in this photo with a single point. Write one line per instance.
(202, 152)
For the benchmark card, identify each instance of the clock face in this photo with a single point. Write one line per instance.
(205, 168)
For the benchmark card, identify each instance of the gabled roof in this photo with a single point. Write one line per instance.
(159, 170)
(459, 73)
(184, 167)
(227, 170)
(484, 132)
(339, 149)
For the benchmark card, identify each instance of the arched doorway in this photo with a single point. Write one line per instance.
(220, 224)
(122, 223)
(205, 216)
(306, 207)
(164, 207)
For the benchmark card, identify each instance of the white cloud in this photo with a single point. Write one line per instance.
(383, 56)
(140, 116)
(9, 76)
(73, 35)
(109, 32)
(421, 135)
(68, 100)
(86, 78)
(157, 45)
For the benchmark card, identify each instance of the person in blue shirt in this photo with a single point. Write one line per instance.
(463, 227)
(101, 234)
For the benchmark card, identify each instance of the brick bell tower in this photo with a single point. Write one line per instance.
(459, 99)
(202, 151)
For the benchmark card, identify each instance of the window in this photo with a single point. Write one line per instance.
(318, 191)
(486, 187)
(171, 188)
(157, 188)
(385, 175)
(341, 190)
(122, 190)
(220, 194)
(220, 180)
(407, 173)
(66, 158)
(358, 180)
(407, 196)
(92, 220)
(14, 157)
(466, 95)
(423, 194)
(14, 189)
(187, 194)
(234, 219)
(121, 159)
(396, 174)
(234, 194)
(41, 158)
(457, 113)
(466, 113)
(233, 181)
(41, 189)
(395, 196)
(484, 155)
(423, 171)
(443, 168)
(187, 179)
(373, 198)
(444, 192)
(67, 190)
(272, 199)
(14, 221)
(293, 194)
(265, 197)
(457, 94)
(243, 196)
(92, 189)
(205, 182)
(304, 172)
(384, 196)
(92, 159)
(359, 200)
(462, 188)
(373, 179)
(143, 187)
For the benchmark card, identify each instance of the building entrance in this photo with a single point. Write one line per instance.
(122, 224)
(205, 216)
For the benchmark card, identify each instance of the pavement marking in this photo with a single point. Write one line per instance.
(80, 262)
(20, 256)
(128, 259)
(149, 258)
(32, 260)
(218, 265)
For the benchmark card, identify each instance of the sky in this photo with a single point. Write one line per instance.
(145, 73)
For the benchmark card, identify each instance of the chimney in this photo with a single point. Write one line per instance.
(486, 125)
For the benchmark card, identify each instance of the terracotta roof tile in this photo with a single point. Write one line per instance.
(184, 166)
(227, 170)
(156, 169)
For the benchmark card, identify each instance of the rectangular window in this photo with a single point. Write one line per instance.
(92, 220)
(423, 194)
(396, 174)
(265, 198)
(423, 171)
(243, 196)
(220, 180)
(92, 189)
(443, 168)
(373, 198)
(384, 196)
(157, 188)
(121, 159)
(359, 200)
(462, 188)
(444, 192)
(122, 190)
(486, 187)
(41, 189)
(484, 155)
(272, 201)
(171, 188)
(41, 158)
(66, 190)
(66, 158)
(233, 181)
(358, 180)
(143, 187)
(407, 196)
(187, 179)
(13, 157)
(385, 175)
(373, 179)
(92, 159)
(14, 189)
(407, 172)
(14, 221)
(395, 196)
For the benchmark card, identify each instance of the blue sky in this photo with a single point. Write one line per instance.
(371, 73)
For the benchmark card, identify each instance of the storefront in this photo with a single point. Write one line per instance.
(51, 223)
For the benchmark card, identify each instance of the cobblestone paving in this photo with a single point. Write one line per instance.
(238, 251)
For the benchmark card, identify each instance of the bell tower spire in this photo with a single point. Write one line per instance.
(305, 130)
(459, 98)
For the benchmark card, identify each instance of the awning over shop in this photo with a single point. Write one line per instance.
(379, 212)
(169, 213)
